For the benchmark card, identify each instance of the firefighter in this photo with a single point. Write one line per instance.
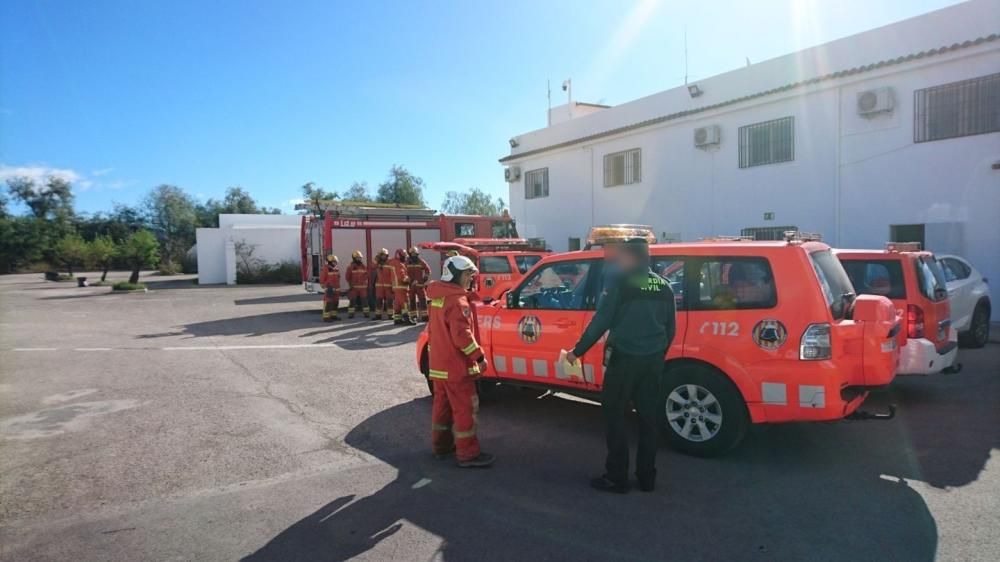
(456, 360)
(419, 273)
(357, 280)
(383, 284)
(400, 288)
(637, 311)
(330, 279)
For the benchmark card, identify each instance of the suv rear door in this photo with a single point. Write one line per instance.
(933, 291)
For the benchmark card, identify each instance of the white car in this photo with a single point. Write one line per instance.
(969, 295)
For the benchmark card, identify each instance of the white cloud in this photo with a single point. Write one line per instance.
(101, 172)
(39, 173)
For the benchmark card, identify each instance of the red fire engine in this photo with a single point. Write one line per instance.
(342, 227)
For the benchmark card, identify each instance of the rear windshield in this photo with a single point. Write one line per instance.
(930, 278)
(524, 263)
(877, 277)
(837, 288)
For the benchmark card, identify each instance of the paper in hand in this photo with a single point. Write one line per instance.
(570, 369)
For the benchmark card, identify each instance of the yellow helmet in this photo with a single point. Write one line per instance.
(413, 251)
(383, 252)
(452, 253)
(332, 258)
(357, 255)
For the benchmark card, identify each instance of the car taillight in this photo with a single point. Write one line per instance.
(914, 321)
(815, 344)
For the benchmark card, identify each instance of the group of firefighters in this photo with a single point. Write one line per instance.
(400, 282)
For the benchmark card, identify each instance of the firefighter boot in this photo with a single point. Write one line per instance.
(482, 461)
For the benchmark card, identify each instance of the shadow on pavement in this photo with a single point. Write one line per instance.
(282, 299)
(802, 491)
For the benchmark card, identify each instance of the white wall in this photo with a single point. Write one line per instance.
(851, 178)
(275, 239)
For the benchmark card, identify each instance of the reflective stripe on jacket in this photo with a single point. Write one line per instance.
(357, 276)
(452, 347)
(329, 276)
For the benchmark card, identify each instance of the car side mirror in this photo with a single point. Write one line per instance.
(511, 303)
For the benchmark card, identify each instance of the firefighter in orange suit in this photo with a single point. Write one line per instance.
(357, 281)
(456, 360)
(383, 284)
(400, 288)
(330, 279)
(419, 273)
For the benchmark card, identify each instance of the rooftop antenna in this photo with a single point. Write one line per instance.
(548, 87)
(685, 55)
(567, 87)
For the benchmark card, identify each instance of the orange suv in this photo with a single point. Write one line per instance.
(915, 283)
(767, 332)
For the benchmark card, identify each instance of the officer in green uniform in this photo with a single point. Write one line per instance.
(637, 309)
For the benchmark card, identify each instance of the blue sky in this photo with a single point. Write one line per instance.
(123, 96)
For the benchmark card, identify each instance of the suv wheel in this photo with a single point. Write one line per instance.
(704, 413)
(979, 327)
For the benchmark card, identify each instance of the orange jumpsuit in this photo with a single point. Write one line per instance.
(357, 294)
(383, 288)
(330, 279)
(454, 367)
(400, 289)
(419, 273)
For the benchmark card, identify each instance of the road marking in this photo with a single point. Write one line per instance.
(35, 349)
(236, 347)
(421, 483)
(92, 349)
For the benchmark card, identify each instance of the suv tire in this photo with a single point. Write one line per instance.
(979, 327)
(703, 413)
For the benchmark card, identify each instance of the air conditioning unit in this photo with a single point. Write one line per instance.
(873, 102)
(512, 173)
(705, 137)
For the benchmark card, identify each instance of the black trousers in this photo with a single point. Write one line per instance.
(635, 380)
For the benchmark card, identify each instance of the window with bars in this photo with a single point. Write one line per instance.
(959, 109)
(623, 168)
(769, 142)
(536, 183)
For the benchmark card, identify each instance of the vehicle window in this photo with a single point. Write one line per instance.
(955, 269)
(733, 283)
(834, 281)
(494, 264)
(524, 263)
(877, 277)
(504, 229)
(930, 278)
(557, 286)
(465, 230)
(671, 269)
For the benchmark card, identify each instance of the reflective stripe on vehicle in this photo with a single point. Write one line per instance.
(774, 393)
(470, 349)
(500, 363)
(520, 366)
(540, 368)
(812, 396)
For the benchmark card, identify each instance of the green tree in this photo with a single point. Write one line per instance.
(102, 251)
(3, 206)
(72, 251)
(472, 202)
(358, 192)
(53, 201)
(139, 250)
(23, 241)
(236, 201)
(172, 217)
(401, 188)
(314, 195)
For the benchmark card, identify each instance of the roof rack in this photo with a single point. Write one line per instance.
(798, 236)
(726, 238)
(604, 234)
(903, 246)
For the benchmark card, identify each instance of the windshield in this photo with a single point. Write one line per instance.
(837, 288)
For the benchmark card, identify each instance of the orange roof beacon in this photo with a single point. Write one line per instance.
(915, 283)
(767, 332)
(502, 262)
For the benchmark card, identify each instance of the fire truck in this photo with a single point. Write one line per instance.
(342, 227)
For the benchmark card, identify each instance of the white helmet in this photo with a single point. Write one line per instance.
(455, 265)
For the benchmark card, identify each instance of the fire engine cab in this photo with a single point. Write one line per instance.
(501, 262)
(767, 332)
(341, 227)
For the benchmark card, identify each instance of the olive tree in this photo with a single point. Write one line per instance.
(102, 252)
(139, 250)
(72, 251)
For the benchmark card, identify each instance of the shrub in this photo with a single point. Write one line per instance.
(126, 286)
(287, 272)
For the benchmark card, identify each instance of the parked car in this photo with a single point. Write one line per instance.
(912, 279)
(969, 294)
(767, 332)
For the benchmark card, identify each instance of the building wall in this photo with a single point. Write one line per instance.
(275, 239)
(851, 179)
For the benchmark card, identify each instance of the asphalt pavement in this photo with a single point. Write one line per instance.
(230, 423)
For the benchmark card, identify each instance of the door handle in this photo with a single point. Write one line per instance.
(564, 323)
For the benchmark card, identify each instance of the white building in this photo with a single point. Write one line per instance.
(893, 133)
(274, 239)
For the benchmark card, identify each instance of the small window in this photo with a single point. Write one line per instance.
(930, 278)
(524, 263)
(574, 244)
(465, 230)
(671, 269)
(536, 183)
(959, 109)
(877, 277)
(734, 283)
(955, 270)
(494, 264)
(836, 285)
(504, 229)
(557, 286)
(623, 168)
(769, 142)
